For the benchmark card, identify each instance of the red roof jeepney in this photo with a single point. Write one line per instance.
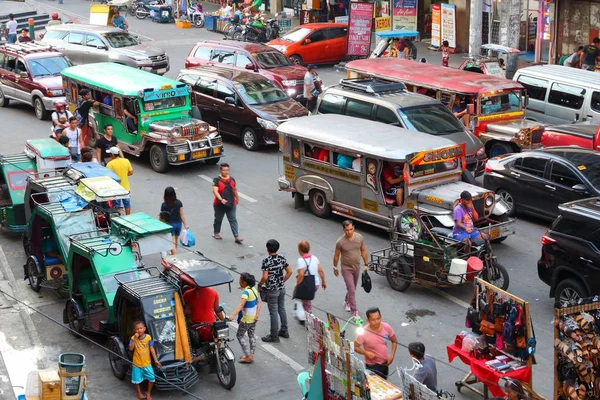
(494, 105)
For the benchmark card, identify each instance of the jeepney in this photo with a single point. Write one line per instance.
(431, 166)
(165, 126)
(42, 156)
(495, 106)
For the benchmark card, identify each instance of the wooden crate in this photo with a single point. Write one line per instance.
(50, 385)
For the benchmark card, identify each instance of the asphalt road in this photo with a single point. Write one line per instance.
(431, 316)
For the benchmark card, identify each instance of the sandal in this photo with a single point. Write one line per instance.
(239, 240)
(217, 236)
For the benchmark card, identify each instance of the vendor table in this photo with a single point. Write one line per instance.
(481, 373)
(380, 388)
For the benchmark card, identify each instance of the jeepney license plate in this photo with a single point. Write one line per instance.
(199, 154)
(161, 71)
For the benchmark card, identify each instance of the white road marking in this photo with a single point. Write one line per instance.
(242, 195)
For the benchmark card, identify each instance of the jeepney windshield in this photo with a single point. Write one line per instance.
(434, 119)
(164, 104)
(500, 103)
(417, 171)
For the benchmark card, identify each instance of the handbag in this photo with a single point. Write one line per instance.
(488, 328)
(366, 282)
(263, 294)
(305, 290)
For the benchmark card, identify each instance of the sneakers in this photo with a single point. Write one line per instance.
(356, 314)
(347, 306)
(283, 334)
(270, 339)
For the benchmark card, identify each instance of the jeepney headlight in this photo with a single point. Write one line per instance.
(223, 333)
(288, 83)
(176, 132)
(266, 123)
(489, 201)
(521, 136)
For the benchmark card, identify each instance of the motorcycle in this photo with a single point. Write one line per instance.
(258, 31)
(135, 4)
(196, 15)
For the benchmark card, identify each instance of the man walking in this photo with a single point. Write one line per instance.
(310, 91)
(225, 202)
(590, 54)
(351, 247)
(373, 344)
(11, 29)
(122, 167)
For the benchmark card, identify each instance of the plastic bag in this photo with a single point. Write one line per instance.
(187, 238)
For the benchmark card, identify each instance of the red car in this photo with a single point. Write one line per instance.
(256, 57)
(314, 43)
(582, 134)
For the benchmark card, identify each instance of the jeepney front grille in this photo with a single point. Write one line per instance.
(178, 148)
(201, 144)
(536, 136)
(218, 141)
(192, 130)
(162, 57)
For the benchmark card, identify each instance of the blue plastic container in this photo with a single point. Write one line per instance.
(210, 23)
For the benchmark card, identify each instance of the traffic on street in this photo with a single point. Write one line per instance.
(236, 201)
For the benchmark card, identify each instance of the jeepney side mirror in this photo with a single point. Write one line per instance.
(471, 109)
(230, 100)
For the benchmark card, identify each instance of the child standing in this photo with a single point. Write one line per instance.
(445, 53)
(250, 308)
(142, 346)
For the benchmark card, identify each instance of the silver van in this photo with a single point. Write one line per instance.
(85, 44)
(391, 103)
(561, 95)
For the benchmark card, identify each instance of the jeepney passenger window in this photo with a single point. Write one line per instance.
(118, 108)
(316, 152)
(343, 160)
(445, 98)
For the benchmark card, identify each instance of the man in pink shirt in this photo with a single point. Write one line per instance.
(373, 344)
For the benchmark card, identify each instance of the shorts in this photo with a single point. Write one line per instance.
(175, 228)
(139, 375)
(123, 203)
(392, 191)
(461, 236)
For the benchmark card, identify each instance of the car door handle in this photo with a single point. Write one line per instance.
(586, 260)
(515, 174)
(550, 187)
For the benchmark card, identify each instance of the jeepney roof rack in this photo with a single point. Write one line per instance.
(154, 283)
(27, 48)
(372, 85)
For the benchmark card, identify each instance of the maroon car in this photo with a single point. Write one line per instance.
(581, 134)
(30, 73)
(256, 57)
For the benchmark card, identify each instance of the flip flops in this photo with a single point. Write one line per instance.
(217, 236)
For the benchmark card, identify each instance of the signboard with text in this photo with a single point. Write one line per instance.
(436, 25)
(382, 24)
(449, 24)
(359, 29)
(405, 15)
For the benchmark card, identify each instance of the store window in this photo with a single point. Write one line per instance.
(566, 96)
(536, 88)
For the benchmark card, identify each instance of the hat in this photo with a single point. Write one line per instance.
(465, 195)
(311, 66)
(113, 150)
(83, 92)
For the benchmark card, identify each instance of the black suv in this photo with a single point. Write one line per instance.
(570, 261)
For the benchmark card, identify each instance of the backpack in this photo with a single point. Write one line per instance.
(228, 193)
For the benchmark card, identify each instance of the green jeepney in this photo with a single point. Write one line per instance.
(40, 157)
(166, 127)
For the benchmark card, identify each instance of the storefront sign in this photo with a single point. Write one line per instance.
(436, 25)
(359, 29)
(449, 24)
(382, 24)
(546, 26)
(405, 15)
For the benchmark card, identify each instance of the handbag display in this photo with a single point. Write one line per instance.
(306, 288)
(488, 328)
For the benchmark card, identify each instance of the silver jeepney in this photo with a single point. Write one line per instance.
(432, 172)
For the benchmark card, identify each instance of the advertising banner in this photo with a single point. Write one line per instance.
(405, 15)
(436, 25)
(449, 24)
(382, 24)
(359, 29)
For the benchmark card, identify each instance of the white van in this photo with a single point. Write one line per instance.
(561, 95)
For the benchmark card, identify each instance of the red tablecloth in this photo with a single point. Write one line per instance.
(488, 376)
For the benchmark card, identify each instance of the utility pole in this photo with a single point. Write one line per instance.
(475, 26)
(510, 21)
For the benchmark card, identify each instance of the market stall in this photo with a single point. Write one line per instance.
(501, 344)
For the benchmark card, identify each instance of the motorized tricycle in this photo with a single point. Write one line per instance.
(193, 270)
(431, 257)
(387, 38)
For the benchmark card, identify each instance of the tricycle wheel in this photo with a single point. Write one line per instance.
(74, 318)
(399, 273)
(497, 275)
(33, 270)
(117, 357)
(226, 371)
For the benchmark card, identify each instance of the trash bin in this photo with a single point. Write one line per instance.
(71, 371)
(71, 362)
(210, 22)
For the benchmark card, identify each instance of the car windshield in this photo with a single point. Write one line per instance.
(296, 35)
(163, 104)
(260, 92)
(272, 59)
(48, 66)
(121, 39)
(500, 103)
(434, 119)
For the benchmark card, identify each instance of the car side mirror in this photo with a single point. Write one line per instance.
(101, 47)
(230, 100)
(471, 109)
(250, 66)
(23, 74)
(580, 189)
(306, 41)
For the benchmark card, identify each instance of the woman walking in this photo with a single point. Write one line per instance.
(250, 308)
(176, 217)
(308, 265)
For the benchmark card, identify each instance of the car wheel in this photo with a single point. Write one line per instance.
(3, 100)
(296, 59)
(249, 139)
(500, 148)
(40, 110)
(570, 291)
(509, 200)
(158, 158)
(318, 204)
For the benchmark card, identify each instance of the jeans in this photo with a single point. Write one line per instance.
(11, 38)
(220, 212)
(276, 303)
(588, 67)
(248, 345)
(380, 369)
(351, 279)
(131, 127)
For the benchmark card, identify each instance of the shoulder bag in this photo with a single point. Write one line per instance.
(305, 290)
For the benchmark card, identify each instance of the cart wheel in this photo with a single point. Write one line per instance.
(33, 271)
(117, 357)
(75, 318)
(399, 273)
(497, 275)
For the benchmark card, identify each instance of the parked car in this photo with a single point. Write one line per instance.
(570, 258)
(559, 95)
(241, 103)
(30, 73)
(537, 182)
(314, 43)
(583, 134)
(391, 103)
(255, 57)
(85, 44)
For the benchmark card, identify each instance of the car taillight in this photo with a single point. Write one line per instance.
(488, 169)
(547, 240)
